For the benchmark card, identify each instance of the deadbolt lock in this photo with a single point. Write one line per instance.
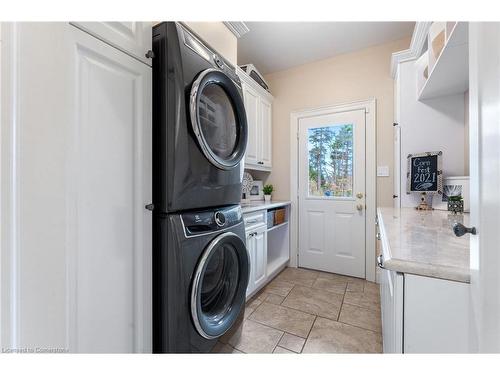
(359, 195)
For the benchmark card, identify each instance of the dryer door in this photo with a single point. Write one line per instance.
(219, 285)
(218, 118)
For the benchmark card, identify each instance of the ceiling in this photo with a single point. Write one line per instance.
(275, 46)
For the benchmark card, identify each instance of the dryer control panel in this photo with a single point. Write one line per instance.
(208, 221)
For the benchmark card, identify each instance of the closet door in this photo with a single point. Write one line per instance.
(134, 38)
(77, 114)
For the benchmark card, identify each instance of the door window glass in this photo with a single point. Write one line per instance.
(217, 120)
(330, 161)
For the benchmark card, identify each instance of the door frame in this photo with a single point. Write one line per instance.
(370, 108)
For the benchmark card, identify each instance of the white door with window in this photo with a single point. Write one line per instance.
(332, 192)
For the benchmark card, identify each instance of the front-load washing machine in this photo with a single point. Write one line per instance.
(199, 123)
(200, 277)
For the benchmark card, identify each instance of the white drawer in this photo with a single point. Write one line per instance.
(255, 218)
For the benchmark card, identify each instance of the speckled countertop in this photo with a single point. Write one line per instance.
(262, 205)
(423, 243)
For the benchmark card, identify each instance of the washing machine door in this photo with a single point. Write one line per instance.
(219, 285)
(218, 118)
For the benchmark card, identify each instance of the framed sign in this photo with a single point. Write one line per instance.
(425, 173)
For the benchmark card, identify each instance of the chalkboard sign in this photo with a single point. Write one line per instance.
(425, 173)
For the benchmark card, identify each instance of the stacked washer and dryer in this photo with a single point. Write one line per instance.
(200, 261)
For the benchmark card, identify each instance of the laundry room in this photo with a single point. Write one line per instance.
(293, 186)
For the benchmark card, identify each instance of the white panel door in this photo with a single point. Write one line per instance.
(134, 38)
(251, 99)
(266, 133)
(332, 193)
(484, 99)
(78, 115)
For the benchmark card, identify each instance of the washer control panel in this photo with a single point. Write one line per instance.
(200, 222)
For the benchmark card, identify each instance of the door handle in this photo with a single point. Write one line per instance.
(359, 195)
(459, 229)
(359, 207)
(150, 207)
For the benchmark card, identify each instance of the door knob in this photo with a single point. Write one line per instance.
(459, 229)
(359, 207)
(359, 195)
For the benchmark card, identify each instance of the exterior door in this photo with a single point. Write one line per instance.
(332, 193)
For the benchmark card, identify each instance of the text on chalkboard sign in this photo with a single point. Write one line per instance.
(425, 172)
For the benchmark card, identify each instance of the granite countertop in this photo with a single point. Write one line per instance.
(262, 205)
(423, 243)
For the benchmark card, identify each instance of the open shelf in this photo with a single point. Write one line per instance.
(450, 74)
(278, 226)
(276, 264)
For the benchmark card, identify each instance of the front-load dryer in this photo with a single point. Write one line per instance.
(199, 123)
(200, 277)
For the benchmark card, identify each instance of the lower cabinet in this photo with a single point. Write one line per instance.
(423, 314)
(256, 241)
(391, 297)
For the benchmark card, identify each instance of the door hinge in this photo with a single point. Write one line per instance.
(297, 136)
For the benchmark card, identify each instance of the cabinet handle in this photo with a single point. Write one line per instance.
(380, 261)
(260, 162)
(459, 229)
(252, 221)
(379, 237)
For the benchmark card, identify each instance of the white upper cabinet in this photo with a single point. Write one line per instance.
(251, 100)
(79, 178)
(266, 132)
(258, 105)
(134, 38)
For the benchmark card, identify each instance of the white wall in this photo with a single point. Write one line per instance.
(353, 76)
(433, 125)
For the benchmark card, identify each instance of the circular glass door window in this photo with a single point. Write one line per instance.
(218, 118)
(219, 285)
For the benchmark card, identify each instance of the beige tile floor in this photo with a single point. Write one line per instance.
(305, 311)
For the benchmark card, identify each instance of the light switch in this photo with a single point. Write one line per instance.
(383, 171)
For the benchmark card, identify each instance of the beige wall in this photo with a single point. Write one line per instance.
(355, 76)
(218, 36)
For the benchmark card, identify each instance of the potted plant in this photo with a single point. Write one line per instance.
(268, 189)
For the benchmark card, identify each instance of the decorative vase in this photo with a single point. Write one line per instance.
(267, 198)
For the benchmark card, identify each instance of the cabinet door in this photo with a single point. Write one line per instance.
(266, 133)
(250, 242)
(391, 297)
(81, 166)
(134, 38)
(260, 256)
(251, 99)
